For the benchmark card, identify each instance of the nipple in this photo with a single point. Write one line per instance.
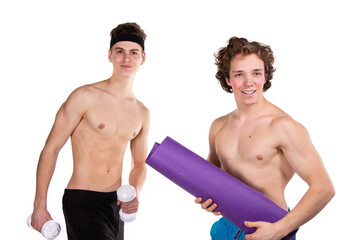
(259, 157)
(101, 126)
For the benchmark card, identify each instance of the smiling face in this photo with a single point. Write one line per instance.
(247, 78)
(126, 58)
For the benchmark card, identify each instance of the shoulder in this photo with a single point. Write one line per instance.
(82, 93)
(80, 99)
(144, 111)
(286, 124)
(89, 93)
(281, 121)
(288, 130)
(219, 123)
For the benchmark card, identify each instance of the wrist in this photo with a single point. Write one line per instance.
(40, 205)
(281, 229)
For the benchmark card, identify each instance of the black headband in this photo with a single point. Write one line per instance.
(127, 37)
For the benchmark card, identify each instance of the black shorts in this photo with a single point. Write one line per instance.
(92, 215)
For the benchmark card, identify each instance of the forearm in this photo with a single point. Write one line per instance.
(45, 170)
(314, 200)
(137, 176)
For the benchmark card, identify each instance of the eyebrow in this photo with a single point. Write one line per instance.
(255, 70)
(134, 49)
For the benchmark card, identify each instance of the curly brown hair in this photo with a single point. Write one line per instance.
(242, 46)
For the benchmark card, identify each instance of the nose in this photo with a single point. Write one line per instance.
(248, 81)
(126, 57)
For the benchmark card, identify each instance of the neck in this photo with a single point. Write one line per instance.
(121, 85)
(247, 111)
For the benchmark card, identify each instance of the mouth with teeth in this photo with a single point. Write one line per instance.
(248, 92)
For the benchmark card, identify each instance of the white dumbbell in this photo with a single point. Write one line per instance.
(126, 193)
(50, 230)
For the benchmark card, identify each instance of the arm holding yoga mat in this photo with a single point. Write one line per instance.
(312, 170)
(237, 201)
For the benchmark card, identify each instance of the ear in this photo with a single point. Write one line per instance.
(109, 56)
(263, 83)
(228, 82)
(143, 58)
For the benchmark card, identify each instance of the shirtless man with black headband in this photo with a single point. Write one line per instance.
(100, 119)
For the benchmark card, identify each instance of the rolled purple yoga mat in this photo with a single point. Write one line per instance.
(236, 201)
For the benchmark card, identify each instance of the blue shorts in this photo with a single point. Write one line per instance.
(226, 230)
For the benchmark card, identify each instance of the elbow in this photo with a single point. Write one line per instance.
(331, 191)
(138, 165)
(139, 169)
(49, 155)
(324, 190)
(50, 150)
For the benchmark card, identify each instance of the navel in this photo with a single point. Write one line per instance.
(101, 126)
(108, 170)
(259, 157)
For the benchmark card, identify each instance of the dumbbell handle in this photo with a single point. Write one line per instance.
(126, 193)
(50, 230)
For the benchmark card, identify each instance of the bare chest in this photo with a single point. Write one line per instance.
(252, 156)
(248, 151)
(113, 120)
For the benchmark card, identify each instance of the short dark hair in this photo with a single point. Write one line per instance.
(128, 28)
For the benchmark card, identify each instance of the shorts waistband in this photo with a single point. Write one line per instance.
(90, 194)
(227, 222)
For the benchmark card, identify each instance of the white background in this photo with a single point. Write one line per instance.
(48, 48)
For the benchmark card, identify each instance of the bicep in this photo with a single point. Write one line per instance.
(138, 145)
(301, 154)
(66, 120)
(212, 156)
(214, 159)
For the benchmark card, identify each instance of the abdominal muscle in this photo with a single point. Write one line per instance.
(98, 163)
(96, 177)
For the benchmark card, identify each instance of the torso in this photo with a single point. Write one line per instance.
(100, 139)
(250, 151)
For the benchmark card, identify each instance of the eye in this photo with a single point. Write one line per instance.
(238, 75)
(134, 53)
(119, 51)
(258, 73)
